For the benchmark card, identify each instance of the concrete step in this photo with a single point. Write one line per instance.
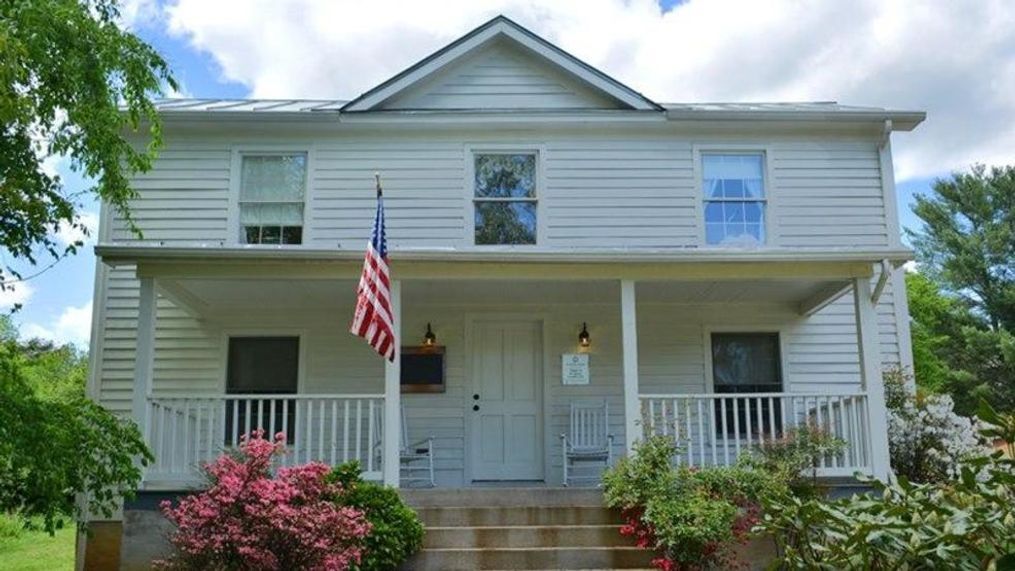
(531, 558)
(525, 536)
(502, 497)
(491, 516)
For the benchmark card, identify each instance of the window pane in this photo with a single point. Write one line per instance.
(271, 235)
(713, 212)
(746, 362)
(734, 223)
(741, 175)
(292, 235)
(505, 176)
(505, 223)
(277, 177)
(261, 365)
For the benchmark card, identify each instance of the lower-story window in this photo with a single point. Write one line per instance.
(745, 364)
(255, 366)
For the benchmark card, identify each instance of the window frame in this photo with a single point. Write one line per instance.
(235, 228)
(301, 366)
(226, 334)
(471, 152)
(784, 375)
(771, 237)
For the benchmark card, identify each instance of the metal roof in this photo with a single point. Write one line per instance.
(172, 105)
(305, 109)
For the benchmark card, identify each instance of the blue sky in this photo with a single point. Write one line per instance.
(217, 51)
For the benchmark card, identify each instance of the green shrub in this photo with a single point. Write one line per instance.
(396, 531)
(691, 517)
(965, 523)
(794, 456)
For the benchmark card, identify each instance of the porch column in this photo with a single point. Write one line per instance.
(144, 354)
(629, 325)
(869, 348)
(393, 394)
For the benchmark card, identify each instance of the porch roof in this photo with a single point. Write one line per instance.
(130, 253)
(210, 279)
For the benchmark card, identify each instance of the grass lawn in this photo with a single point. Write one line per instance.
(37, 551)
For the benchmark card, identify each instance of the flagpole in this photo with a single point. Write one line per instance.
(377, 179)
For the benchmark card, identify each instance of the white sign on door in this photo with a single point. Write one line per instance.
(575, 368)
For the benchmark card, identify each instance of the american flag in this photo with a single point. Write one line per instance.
(373, 319)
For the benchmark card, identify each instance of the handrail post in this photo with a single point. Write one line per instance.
(392, 395)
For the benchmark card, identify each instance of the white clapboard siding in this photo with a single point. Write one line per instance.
(189, 359)
(501, 76)
(620, 191)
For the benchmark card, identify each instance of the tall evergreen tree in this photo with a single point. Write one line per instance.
(966, 246)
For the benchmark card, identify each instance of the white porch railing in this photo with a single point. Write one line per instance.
(717, 429)
(184, 433)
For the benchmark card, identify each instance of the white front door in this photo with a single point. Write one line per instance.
(506, 403)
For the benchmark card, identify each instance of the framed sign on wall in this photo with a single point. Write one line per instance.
(574, 368)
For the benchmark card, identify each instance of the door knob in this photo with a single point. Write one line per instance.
(475, 407)
(475, 397)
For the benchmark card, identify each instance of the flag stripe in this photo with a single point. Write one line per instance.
(373, 319)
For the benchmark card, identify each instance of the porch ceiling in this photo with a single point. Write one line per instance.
(209, 296)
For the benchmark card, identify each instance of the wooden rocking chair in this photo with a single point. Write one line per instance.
(416, 459)
(589, 441)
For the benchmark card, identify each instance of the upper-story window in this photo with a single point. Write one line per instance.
(272, 194)
(504, 196)
(733, 185)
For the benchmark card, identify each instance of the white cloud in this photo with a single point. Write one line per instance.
(13, 294)
(954, 59)
(66, 235)
(72, 326)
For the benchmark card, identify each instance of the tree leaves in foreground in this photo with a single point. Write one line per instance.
(66, 68)
(56, 445)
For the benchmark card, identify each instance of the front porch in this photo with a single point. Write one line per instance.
(498, 417)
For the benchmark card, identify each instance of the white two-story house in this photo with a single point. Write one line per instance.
(718, 271)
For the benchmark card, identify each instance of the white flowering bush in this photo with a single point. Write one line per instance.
(928, 441)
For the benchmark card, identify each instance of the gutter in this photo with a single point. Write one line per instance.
(115, 254)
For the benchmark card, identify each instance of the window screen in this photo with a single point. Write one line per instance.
(261, 366)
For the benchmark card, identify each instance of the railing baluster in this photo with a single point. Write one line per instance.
(359, 429)
(725, 433)
(345, 433)
(676, 425)
(736, 425)
(687, 421)
(320, 431)
(370, 435)
(247, 405)
(271, 421)
(771, 420)
(309, 406)
(701, 434)
(187, 434)
(651, 417)
(747, 420)
(711, 431)
(334, 425)
(759, 416)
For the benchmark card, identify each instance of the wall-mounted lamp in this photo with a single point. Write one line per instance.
(584, 340)
(429, 339)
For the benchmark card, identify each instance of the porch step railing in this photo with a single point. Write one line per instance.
(185, 433)
(717, 429)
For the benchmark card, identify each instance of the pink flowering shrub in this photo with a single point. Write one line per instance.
(249, 520)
